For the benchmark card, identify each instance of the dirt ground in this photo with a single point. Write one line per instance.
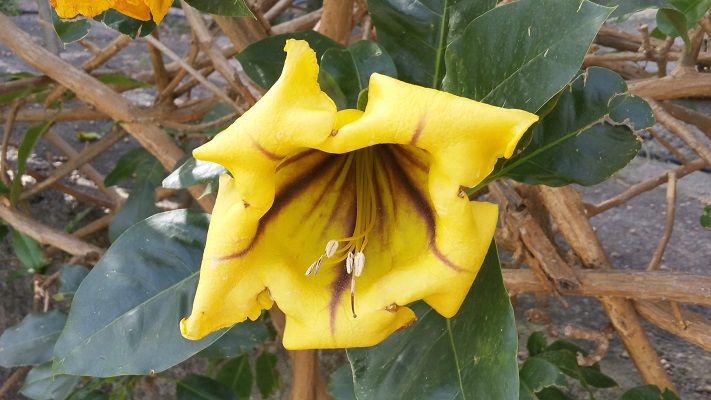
(629, 233)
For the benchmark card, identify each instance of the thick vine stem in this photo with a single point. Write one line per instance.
(566, 208)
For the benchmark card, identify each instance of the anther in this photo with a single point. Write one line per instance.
(331, 248)
(314, 267)
(349, 263)
(358, 263)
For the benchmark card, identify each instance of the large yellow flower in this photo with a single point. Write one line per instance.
(344, 218)
(138, 9)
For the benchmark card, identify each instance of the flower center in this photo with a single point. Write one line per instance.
(351, 248)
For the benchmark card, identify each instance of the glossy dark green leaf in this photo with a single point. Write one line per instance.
(563, 355)
(672, 20)
(240, 338)
(576, 142)
(139, 206)
(266, 374)
(691, 11)
(648, 392)
(42, 384)
(472, 355)
(330, 86)
(416, 33)
(237, 375)
(124, 317)
(596, 379)
(225, 8)
(536, 343)
(29, 140)
(340, 387)
(122, 80)
(193, 172)
(705, 219)
(351, 68)
(198, 387)
(538, 374)
(29, 252)
(125, 24)
(525, 393)
(527, 60)
(70, 277)
(263, 60)
(552, 393)
(132, 162)
(32, 340)
(69, 31)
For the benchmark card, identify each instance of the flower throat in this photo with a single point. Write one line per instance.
(351, 248)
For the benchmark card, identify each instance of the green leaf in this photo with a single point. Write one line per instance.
(351, 68)
(238, 339)
(576, 142)
(563, 355)
(69, 31)
(122, 80)
(125, 24)
(648, 392)
(596, 379)
(32, 135)
(237, 375)
(705, 219)
(676, 23)
(341, 385)
(536, 343)
(525, 393)
(552, 393)
(29, 252)
(70, 277)
(538, 374)
(133, 162)
(124, 317)
(32, 340)
(472, 355)
(267, 376)
(198, 387)
(229, 8)
(139, 206)
(42, 384)
(193, 172)
(416, 33)
(527, 60)
(263, 60)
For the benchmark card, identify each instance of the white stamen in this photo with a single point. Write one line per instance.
(331, 248)
(349, 263)
(358, 263)
(314, 267)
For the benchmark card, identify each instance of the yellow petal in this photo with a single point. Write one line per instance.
(89, 8)
(133, 8)
(296, 165)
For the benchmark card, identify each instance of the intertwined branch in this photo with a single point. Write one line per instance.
(529, 212)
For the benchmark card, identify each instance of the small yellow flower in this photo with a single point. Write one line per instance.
(138, 9)
(344, 218)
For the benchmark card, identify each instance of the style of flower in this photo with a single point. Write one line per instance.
(343, 218)
(138, 9)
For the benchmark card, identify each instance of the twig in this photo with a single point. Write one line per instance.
(669, 225)
(600, 338)
(200, 127)
(702, 121)
(677, 314)
(698, 328)
(87, 88)
(101, 56)
(162, 79)
(206, 43)
(48, 235)
(672, 87)
(9, 124)
(208, 85)
(645, 186)
(668, 146)
(277, 9)
(13, 379)
(676, 127)
(297, 24)
(167, 93)
(690, 55)
(83, 197)
(57, 141)
(336, 21)
(84, 156)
